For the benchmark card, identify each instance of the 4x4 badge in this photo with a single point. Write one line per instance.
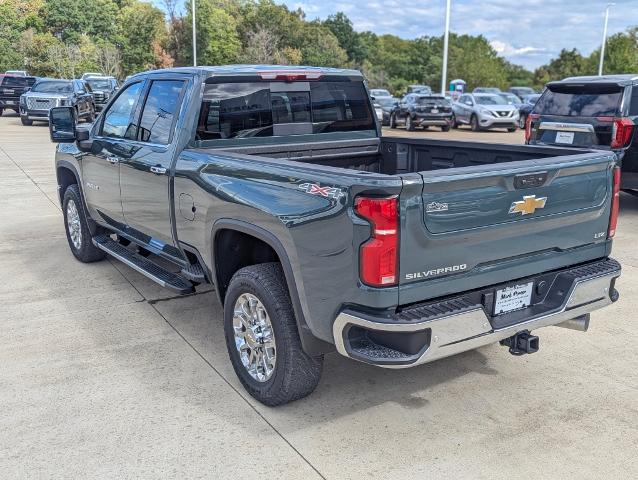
(314, 189)
(528, 205)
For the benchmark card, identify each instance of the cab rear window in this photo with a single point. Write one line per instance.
(264, 109)
(580, 102)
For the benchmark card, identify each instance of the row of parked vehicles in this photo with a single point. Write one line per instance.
(483, 109)
(33, 97)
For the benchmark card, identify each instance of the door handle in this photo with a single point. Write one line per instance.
(158, 170)
(113, 160)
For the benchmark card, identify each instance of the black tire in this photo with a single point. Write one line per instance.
(393, 121)
(1, 111)
(474, 123)
(295, 374)
(511, 129)
(84, 250)
(445, 128)
(91, 116)
(26, 122)
(521, 121)
(409, 126)
(454, 122)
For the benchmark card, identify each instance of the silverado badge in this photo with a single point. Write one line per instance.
(528, 205)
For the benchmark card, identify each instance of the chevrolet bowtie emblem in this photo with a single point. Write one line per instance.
(528, 205)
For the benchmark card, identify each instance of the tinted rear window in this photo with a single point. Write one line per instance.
(580, 102)
(18, 81)
(240, 110)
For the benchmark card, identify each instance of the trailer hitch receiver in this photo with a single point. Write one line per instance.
(521, 343)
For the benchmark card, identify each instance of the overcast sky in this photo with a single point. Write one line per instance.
(526, 32)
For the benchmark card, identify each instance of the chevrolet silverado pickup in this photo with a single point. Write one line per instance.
(275, 185)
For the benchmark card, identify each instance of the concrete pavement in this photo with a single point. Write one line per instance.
(103, 374)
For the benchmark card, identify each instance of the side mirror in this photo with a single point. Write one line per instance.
(62, 124)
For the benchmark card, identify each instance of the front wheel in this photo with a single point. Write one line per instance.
(393, 121)
(77, 229)
(26, 122)
(511, 129)
(455, 124)
(91, 116)
(409, 126)
(521, 122)
(445, 128)
(263, 340)
(474, 123)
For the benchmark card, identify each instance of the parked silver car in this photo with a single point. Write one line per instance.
(484, 111)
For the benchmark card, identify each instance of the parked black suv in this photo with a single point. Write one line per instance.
(103, 88)
(11, 87)
(590, 112)
(49, 92)
(419, 110)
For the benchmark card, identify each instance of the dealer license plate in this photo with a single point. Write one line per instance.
(565, 137)
(513, 298)
(9, 91)
(435, 110)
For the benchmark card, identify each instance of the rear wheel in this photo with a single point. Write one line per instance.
(408, 123)
(26, 122)
(393, 121)
(474, 123)
(262, 337)
(511, 129)
(77, 229)
(454, 122)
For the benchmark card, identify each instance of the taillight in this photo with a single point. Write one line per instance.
(290, 75)
(378, 256)
(528, 125)
(615, 203)
(621, 132)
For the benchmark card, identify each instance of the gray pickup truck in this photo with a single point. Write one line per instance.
(274, 185)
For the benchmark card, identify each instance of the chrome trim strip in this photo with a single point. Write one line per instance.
(471, 329)
(567, 127)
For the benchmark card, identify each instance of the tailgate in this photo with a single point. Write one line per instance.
(482, 225)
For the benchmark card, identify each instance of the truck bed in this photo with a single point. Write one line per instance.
(399, 156)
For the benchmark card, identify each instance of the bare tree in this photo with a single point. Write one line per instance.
(109, 59)
(261, 46)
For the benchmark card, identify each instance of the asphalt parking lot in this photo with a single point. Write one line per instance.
(105, 375)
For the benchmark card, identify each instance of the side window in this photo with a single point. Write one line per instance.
(117, 119)
(159, 111)
(633, 105)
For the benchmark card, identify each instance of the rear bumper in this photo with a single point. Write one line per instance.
(434, 120)
(426, 332)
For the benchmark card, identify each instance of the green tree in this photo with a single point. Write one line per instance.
(218, 40)
(143, 37)
(341, 27)
(569, 63)
(69, 19)
(318, 46)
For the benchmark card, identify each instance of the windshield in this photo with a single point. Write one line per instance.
(532, 98)
(379, 92)
(594, 101)
(510, 98)
(17, 81)
(101, 84)
(385, 101)
(53, 87)
(490, 100)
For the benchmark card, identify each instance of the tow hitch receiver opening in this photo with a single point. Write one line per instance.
(521, 343)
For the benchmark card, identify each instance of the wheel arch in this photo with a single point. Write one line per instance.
(264, 247)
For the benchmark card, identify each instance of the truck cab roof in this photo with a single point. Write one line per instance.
(252, 70)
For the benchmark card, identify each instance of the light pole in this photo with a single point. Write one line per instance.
(446, 37)
(194, 36)
(602, 48)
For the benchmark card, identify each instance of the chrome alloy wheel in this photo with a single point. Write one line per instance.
(73, 224)
(254, 337)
